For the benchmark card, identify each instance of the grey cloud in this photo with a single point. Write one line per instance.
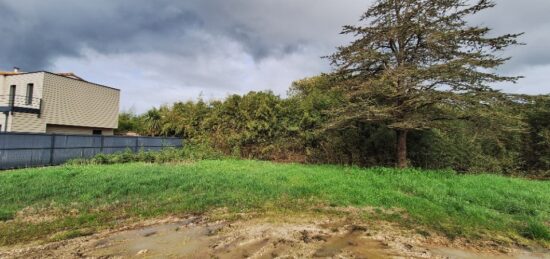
(215, 46)
(37, 32)
(40, 31)
(529, 17)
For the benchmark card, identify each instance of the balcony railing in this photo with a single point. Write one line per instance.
(20, 103)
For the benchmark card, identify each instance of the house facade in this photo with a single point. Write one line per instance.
(45, 102)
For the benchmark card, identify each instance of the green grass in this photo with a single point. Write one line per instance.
(97, 196)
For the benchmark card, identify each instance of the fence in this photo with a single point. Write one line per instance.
(19, 150)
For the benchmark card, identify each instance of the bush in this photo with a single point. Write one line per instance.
(192, 151)
(509, 135)
(200, 150)
(536, 230)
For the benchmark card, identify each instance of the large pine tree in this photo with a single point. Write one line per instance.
(412, 57)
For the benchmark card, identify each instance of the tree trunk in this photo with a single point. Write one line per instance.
(401, 148)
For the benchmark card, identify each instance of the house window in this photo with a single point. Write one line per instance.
(97, 132)
(12, 95)
(30, 90)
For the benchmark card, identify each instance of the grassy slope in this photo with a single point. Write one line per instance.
(97, 196)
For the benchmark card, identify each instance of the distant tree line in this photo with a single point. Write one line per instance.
(508, 134)
(412, 89)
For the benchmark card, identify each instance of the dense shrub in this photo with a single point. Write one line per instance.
(191, 151)
(509, 134)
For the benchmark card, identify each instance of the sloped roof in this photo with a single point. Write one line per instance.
(71, 75)
(65, 74)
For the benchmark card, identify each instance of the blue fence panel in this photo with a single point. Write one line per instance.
(24, 141)
(77, 141)
(28, 150)
(119, 142)
(24, 158)
(62, 155)
(149, 142)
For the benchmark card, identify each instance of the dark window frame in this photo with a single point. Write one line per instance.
(30, 93)
(97, 132)
(13, 90)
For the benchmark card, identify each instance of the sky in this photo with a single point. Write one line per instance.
(162, 51)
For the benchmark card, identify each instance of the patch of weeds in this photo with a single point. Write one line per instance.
(191, 152)
(536, 230)
(65, 235)
(454, 232)
(396, 217)
(423, 233)
(6, 215)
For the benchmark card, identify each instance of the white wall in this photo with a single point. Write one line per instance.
(24, 122)
(21, 82)
(2, 122)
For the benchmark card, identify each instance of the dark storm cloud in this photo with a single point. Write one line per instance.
(21, 44)
(182, 48)
(36, 32)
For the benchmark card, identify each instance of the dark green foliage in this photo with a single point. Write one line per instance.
(537, 146)
(408, 60)
(152, 120)
(6, 215)
(417, 77)
(416, 69)
(128, 122)
(506, 135)
(191, 151)
(536, 230)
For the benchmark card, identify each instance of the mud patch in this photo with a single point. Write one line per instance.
(166, 240)
(353, 245)
(465, 254)
(289, 237)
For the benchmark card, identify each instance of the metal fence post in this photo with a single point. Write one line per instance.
(52, 149)
(137, 144)
(102, 144)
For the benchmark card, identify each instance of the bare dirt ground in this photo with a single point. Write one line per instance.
(263, 237)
